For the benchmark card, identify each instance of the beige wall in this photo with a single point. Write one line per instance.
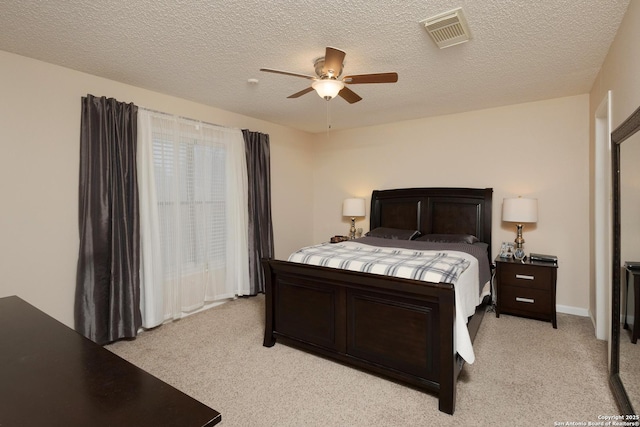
(620, 74)
(39, 136)
(620, 71)
(538, 149)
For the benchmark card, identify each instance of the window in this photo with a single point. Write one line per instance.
(190, 183)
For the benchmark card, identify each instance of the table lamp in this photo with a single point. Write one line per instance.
(353, 208)
(519, 210)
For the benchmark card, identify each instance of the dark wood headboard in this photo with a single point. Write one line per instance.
(435, 210)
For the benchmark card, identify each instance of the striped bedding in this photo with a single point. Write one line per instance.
(429, 266)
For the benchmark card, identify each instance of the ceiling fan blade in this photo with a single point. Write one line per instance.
(371, 78)
(333, 59)
(302, 92)
(349, 95)
(287, 73)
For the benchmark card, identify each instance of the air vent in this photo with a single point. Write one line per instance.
(448, 29)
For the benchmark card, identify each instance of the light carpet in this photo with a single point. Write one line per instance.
(526, 373)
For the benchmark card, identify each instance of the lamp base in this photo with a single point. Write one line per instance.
(352, 230)
(519, 253)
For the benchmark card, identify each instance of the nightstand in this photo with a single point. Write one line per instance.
(526, 289)
(632, 301)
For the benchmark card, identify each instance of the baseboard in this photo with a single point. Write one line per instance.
(576, 311)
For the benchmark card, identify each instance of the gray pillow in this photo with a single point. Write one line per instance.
(393, 233)
(449, 238)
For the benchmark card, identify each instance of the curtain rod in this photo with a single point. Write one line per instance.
(187, 118)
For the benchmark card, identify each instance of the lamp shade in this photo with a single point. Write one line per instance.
(520, 209)
(353, 207)
(327, 88)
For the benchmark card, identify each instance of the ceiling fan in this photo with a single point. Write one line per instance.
(327, 83)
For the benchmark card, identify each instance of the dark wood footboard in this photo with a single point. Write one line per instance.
(394, 327)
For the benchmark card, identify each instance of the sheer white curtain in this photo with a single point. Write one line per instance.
(192, 179)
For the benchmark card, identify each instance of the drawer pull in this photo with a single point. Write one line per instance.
(527, 300)
(524, 276)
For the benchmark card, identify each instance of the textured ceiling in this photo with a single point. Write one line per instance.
(206, 51)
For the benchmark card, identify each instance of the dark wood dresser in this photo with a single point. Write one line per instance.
(526, 289)
(51, 375)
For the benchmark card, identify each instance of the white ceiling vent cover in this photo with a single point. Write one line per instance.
(448, 29)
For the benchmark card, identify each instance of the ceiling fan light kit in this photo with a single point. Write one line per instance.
(327, 83)
(328, 88)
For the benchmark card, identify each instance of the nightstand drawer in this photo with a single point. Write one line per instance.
(525, 300)
(526, 275)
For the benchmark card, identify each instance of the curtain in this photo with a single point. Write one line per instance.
(259, 193)
(193, 192)
(107, 300)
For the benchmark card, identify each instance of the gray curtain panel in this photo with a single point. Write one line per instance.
(260, 227)
(107, 302)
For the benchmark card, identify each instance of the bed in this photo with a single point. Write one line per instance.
(405, 329)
